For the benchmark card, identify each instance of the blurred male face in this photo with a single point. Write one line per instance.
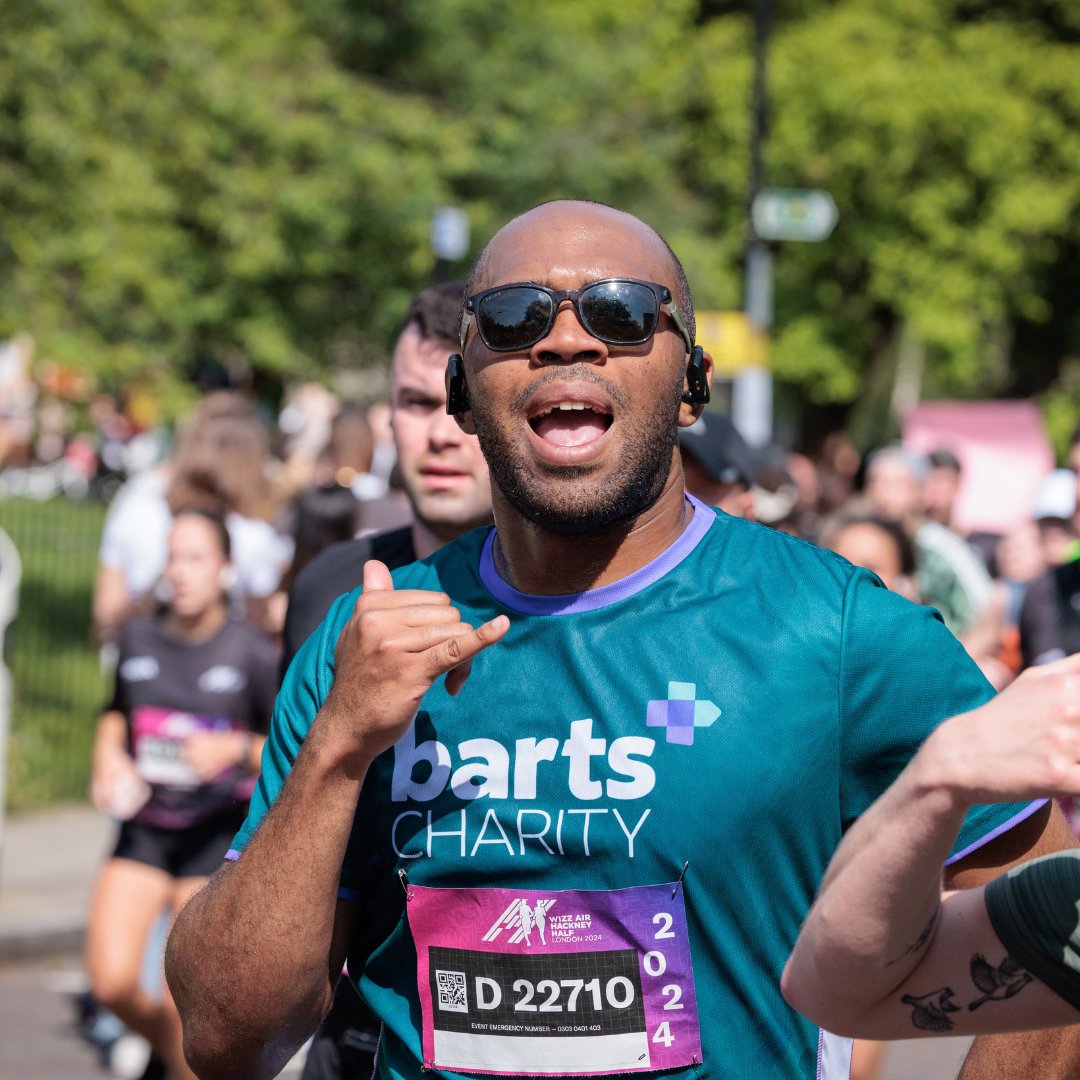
(444, 473)
(579, 434)
(940, 492)
(734, 498)
(893, 490)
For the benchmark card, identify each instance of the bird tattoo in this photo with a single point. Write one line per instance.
(929, 1011)
(997, 983)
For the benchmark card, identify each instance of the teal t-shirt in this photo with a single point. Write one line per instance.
(733, 705)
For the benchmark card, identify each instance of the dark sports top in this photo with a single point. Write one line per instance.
(167, 688)
(734, 704)
(337, 569)
(1050, 616)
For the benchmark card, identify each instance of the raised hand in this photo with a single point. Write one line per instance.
(1023, 744)
(395, 645)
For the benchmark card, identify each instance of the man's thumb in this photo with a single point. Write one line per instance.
(377, 576)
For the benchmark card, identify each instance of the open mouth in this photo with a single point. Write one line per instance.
(571, 423)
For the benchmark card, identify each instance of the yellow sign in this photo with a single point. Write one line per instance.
(733, 341)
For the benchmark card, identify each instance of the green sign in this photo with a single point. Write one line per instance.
(793, 214)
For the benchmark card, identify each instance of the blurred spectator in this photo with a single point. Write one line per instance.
(718, 464)
(949, 575)
(218, 463)
(323, 516)
(942, 486)
(877, 545)
(112, 431)
(940, 494)
(1050, 616)
(1055, 513)
(1020, 559)
(305, 421)
(55, 419)
(348, 455)
(18, 394)
(806, 479)
(838, 465)
(385, 456)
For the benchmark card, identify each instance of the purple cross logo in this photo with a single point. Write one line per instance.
(681, 712)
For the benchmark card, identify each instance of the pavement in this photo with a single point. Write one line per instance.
(48, 861)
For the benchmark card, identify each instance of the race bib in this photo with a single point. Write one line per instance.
(157, 743)
(521, 982)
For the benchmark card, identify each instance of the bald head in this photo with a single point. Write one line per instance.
(568, 228)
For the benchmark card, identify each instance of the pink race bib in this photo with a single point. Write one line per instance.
(522, 982)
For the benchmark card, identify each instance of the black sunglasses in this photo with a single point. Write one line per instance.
(617, 311)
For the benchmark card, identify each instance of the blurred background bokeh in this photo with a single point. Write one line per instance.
(246, 195)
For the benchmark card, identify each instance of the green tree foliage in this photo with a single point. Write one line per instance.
(253, 182)
(182, 182)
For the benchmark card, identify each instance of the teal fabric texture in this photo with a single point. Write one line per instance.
(734, 708)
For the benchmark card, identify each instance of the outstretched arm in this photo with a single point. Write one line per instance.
(253, 958)
(884, 953)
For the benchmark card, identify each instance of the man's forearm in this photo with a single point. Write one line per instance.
(878, 906)
(846, 971)
(253, 957)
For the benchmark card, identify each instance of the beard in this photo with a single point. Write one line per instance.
(576, 499)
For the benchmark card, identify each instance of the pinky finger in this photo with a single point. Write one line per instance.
(486, 634)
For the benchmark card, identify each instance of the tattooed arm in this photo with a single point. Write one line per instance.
(885, 953)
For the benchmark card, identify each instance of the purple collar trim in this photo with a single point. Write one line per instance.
(594, 599)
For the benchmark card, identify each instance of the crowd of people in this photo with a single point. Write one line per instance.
(416, 737)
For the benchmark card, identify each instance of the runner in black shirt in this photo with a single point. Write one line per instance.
(175, 759)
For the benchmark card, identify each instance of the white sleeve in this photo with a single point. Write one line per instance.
(261, 555)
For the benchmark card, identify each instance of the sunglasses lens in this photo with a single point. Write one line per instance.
(514, 318)
(619, 312)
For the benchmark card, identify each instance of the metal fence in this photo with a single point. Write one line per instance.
(58, 685)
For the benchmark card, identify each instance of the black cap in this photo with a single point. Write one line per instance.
(716, 445)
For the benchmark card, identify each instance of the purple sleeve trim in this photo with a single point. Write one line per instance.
(344, 894)
(594, 599)
(1004, 827)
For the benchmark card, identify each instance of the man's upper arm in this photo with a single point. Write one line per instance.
(306, 685)
(1041, 833)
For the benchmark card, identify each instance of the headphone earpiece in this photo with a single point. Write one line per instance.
(457, 390)
(697, 385)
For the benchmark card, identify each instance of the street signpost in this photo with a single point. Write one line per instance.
(794, 214)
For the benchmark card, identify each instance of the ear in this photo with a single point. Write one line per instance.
(227, 577)
(457, 389)
(699, 372)
(457, 393)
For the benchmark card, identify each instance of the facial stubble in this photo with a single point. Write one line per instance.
(578, 499)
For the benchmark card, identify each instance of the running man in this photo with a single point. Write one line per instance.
(610, 698)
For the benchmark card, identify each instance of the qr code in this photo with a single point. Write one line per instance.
(452, 995)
